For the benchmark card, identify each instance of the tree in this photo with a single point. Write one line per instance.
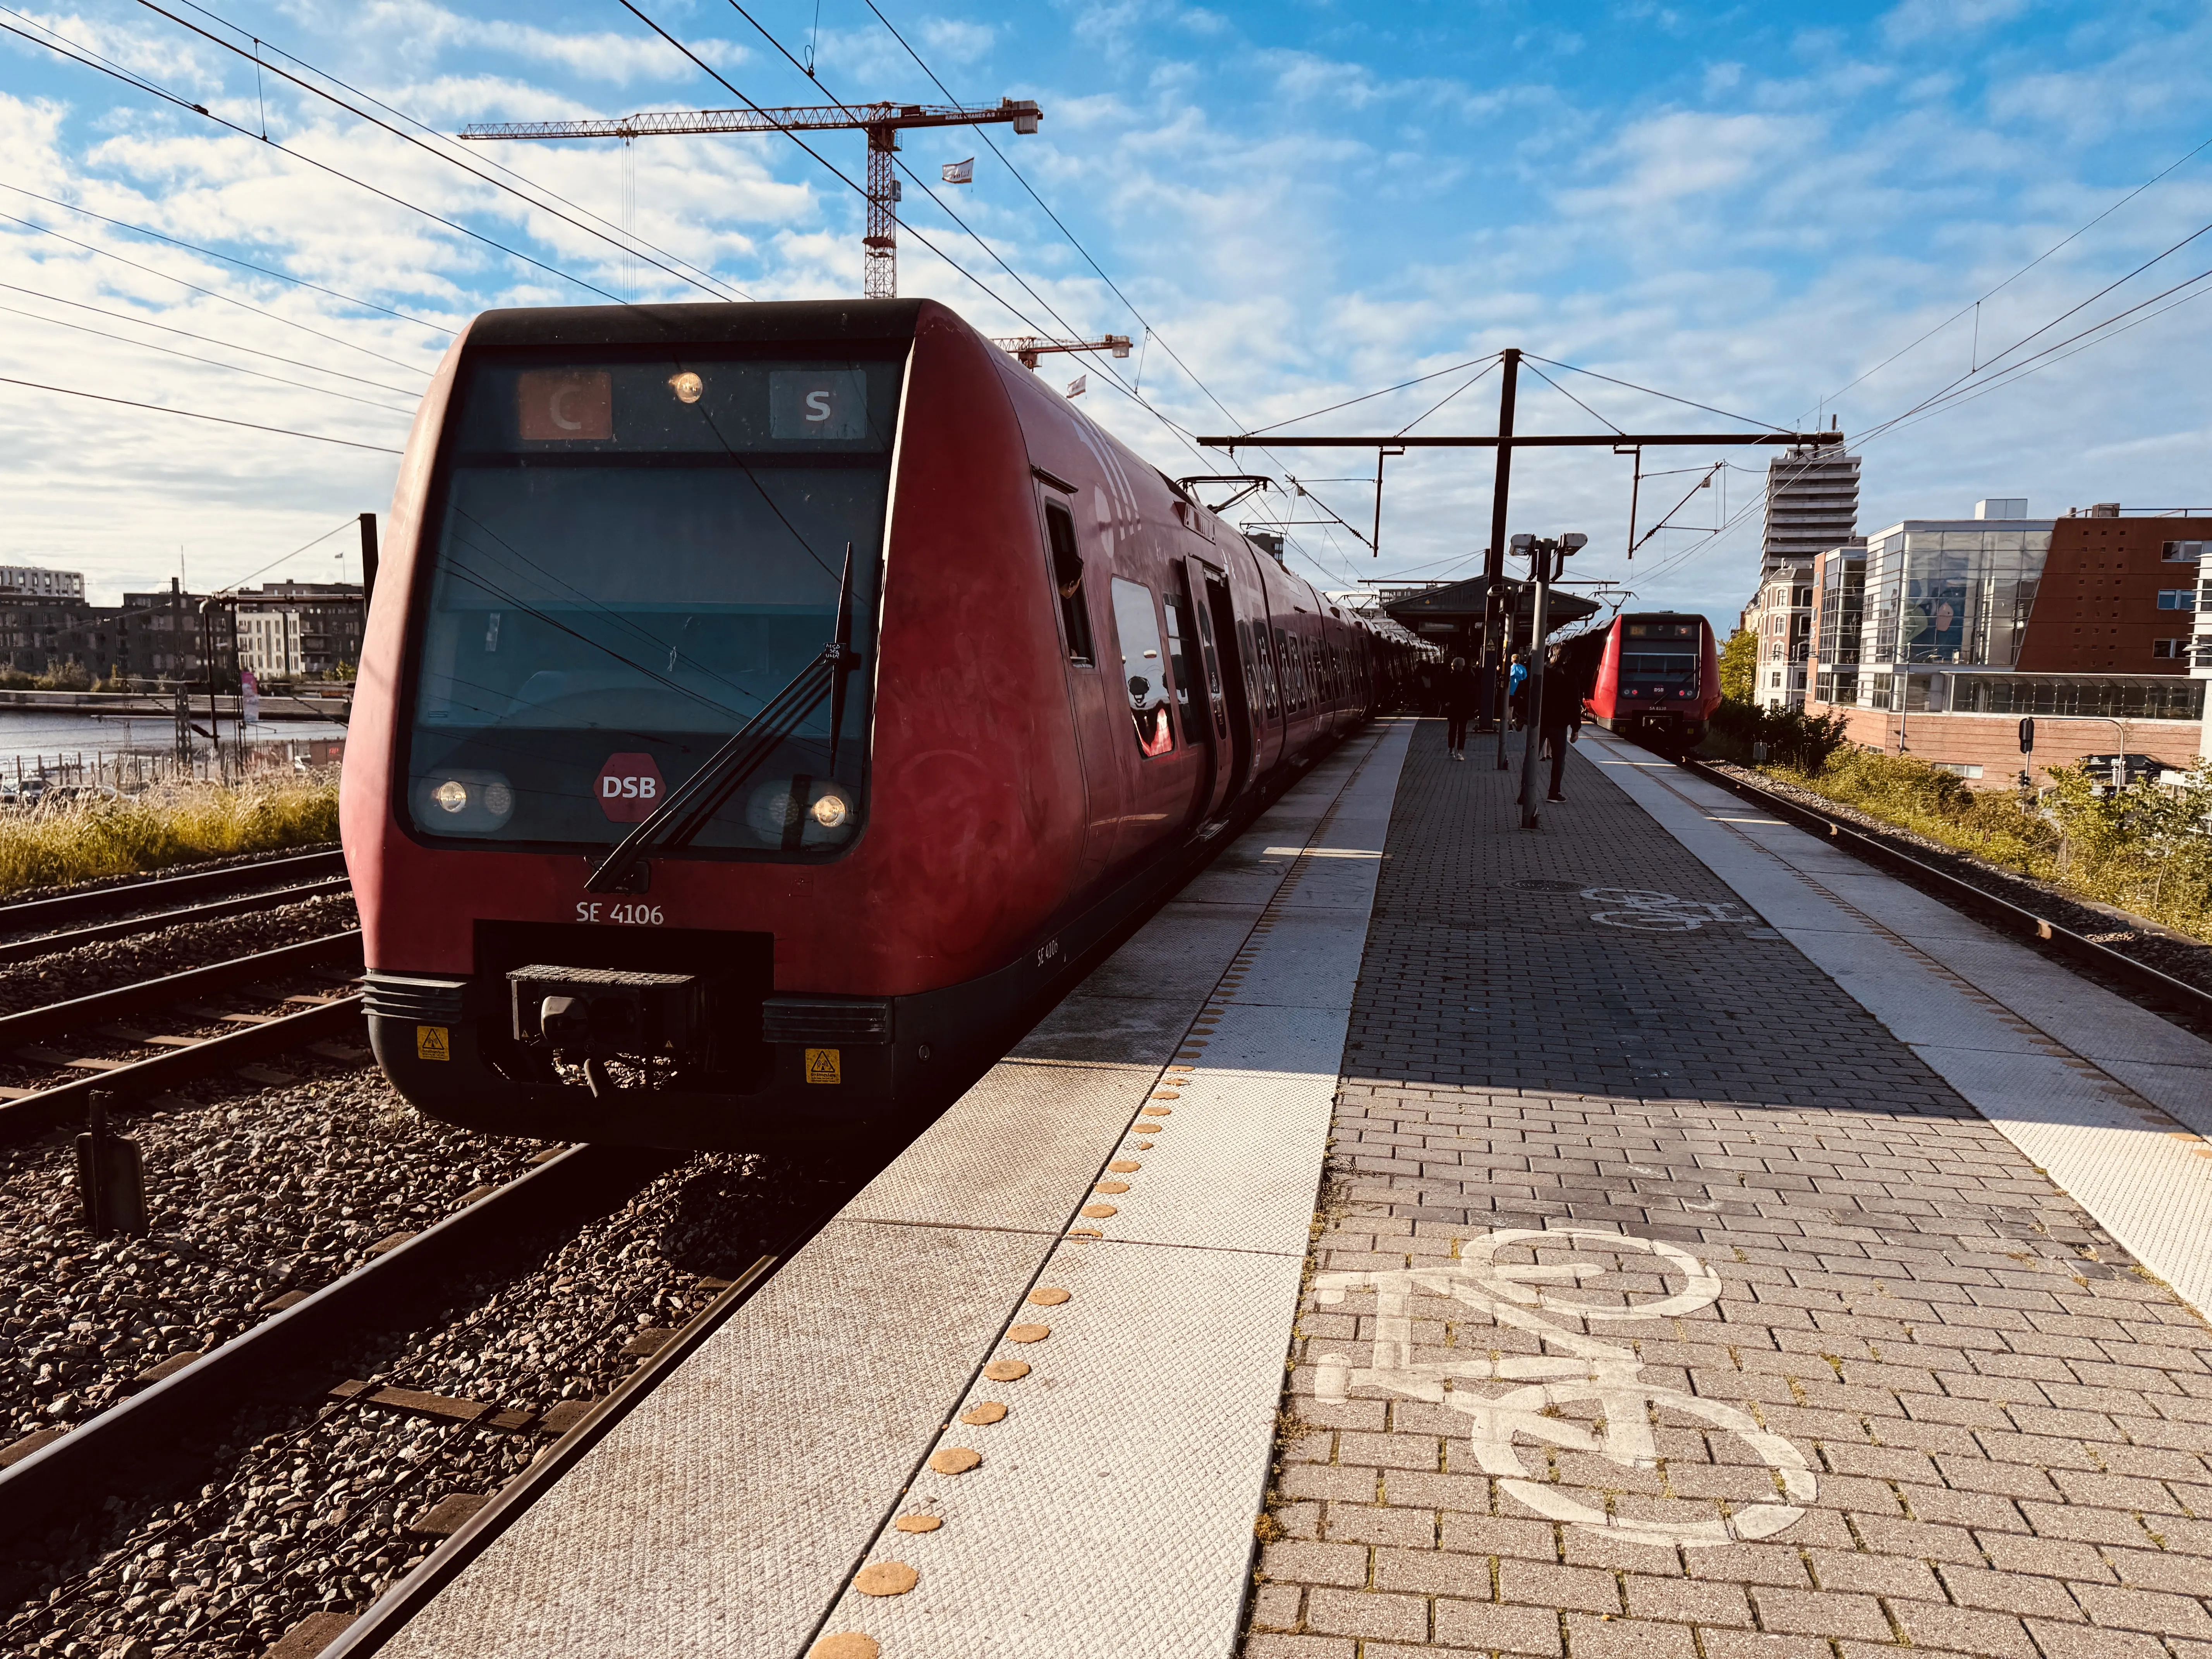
(1740, 665)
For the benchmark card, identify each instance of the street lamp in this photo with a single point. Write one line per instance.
(1547, 561)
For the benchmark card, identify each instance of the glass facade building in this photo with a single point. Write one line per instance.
(1949, 594)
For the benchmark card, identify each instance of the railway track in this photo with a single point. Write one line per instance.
(31, 925)
(321, 1016)
(2053, 937)
(331, 1374)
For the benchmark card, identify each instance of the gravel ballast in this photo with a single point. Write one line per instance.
(312, 1508)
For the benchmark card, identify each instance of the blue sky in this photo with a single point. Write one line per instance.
(1304, 202)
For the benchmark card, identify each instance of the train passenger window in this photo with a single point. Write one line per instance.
(1136, 626)
(1178, 654)
(1067, 580)
(1257, 667)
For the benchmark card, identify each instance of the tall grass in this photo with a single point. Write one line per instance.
(2146, 849)
(61, 843)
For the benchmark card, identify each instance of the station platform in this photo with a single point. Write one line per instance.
(1655, 1234)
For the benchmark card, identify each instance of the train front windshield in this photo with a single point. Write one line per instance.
(631, 555)
(1660, 659)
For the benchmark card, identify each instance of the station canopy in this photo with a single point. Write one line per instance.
(1452, 612)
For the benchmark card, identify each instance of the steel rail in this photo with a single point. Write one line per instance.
(32, 1115)
(388, 1614)
(1956, 890)
(22, 950)
(101, 1006)
(138, 1451)
(164, 890)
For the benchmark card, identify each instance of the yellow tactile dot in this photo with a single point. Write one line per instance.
(845, 1644)
(885, 1579)
(1167, 1094)
(1162, 1111)
(982, 1412)
(1006, 1371)
(1145, 1128)
(1099, 1212)
(1125, 1166)
(1029, 1333)
(1145, 1146)
(1112, 1187)
(918, 1522)
(1048, 1296)
(1182, 1068)
(1084, 1232)
(954, 1460)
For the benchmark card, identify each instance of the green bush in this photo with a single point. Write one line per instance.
(1792, 737)
(2146, 849)
(61, 843)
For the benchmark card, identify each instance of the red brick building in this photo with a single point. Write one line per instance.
(1938, 637)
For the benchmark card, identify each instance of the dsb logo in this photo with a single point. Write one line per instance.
(629, 788)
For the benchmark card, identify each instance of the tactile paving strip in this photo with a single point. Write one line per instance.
(1112, 1508)
(2077, 1078)
(729, 1510)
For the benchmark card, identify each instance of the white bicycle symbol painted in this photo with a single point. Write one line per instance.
(1514, 1294)
(1645, 910)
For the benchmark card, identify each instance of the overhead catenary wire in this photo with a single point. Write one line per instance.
(227, 258)
(629, 240)
(194, 414)
(210, 293)
(346, 523)
(334, 173)
(410, 139)
(1975, 304)
(1112, 378)
(205, 339)
(191, 357)
(1074, 241)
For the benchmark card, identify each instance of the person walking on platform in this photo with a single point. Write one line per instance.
(1562, 714)
(1462, 692)
(1516, 693)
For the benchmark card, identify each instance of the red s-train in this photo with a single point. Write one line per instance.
(764, 705)
(1659, 680)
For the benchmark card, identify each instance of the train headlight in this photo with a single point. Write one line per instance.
(830, 810)
(687, 387)
(464, 802)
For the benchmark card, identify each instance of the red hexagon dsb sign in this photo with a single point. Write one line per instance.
(629, 788)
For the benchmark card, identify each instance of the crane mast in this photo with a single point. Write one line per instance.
(882, 122)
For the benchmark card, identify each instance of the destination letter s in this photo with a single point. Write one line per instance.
(817, 406)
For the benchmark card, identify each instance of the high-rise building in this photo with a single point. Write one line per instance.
(1812, 505)
(36, 583)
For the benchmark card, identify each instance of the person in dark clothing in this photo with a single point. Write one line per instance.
(1461, 692)
(1561, 715)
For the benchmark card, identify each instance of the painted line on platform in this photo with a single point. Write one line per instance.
(2104, 1096)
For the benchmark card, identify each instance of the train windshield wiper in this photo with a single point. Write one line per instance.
(688, 810)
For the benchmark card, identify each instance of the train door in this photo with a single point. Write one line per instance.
(1205, 598)
(1078, 576)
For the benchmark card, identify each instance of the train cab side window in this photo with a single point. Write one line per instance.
(1067, 580)
(1143, 666)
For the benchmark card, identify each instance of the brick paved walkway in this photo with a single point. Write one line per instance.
(1919, 1397)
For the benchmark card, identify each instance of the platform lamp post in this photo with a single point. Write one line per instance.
(1548, 563)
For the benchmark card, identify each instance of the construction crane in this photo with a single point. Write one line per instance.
(881, 122)
(1028, 348)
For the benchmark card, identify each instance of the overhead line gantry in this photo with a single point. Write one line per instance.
(882, 122)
